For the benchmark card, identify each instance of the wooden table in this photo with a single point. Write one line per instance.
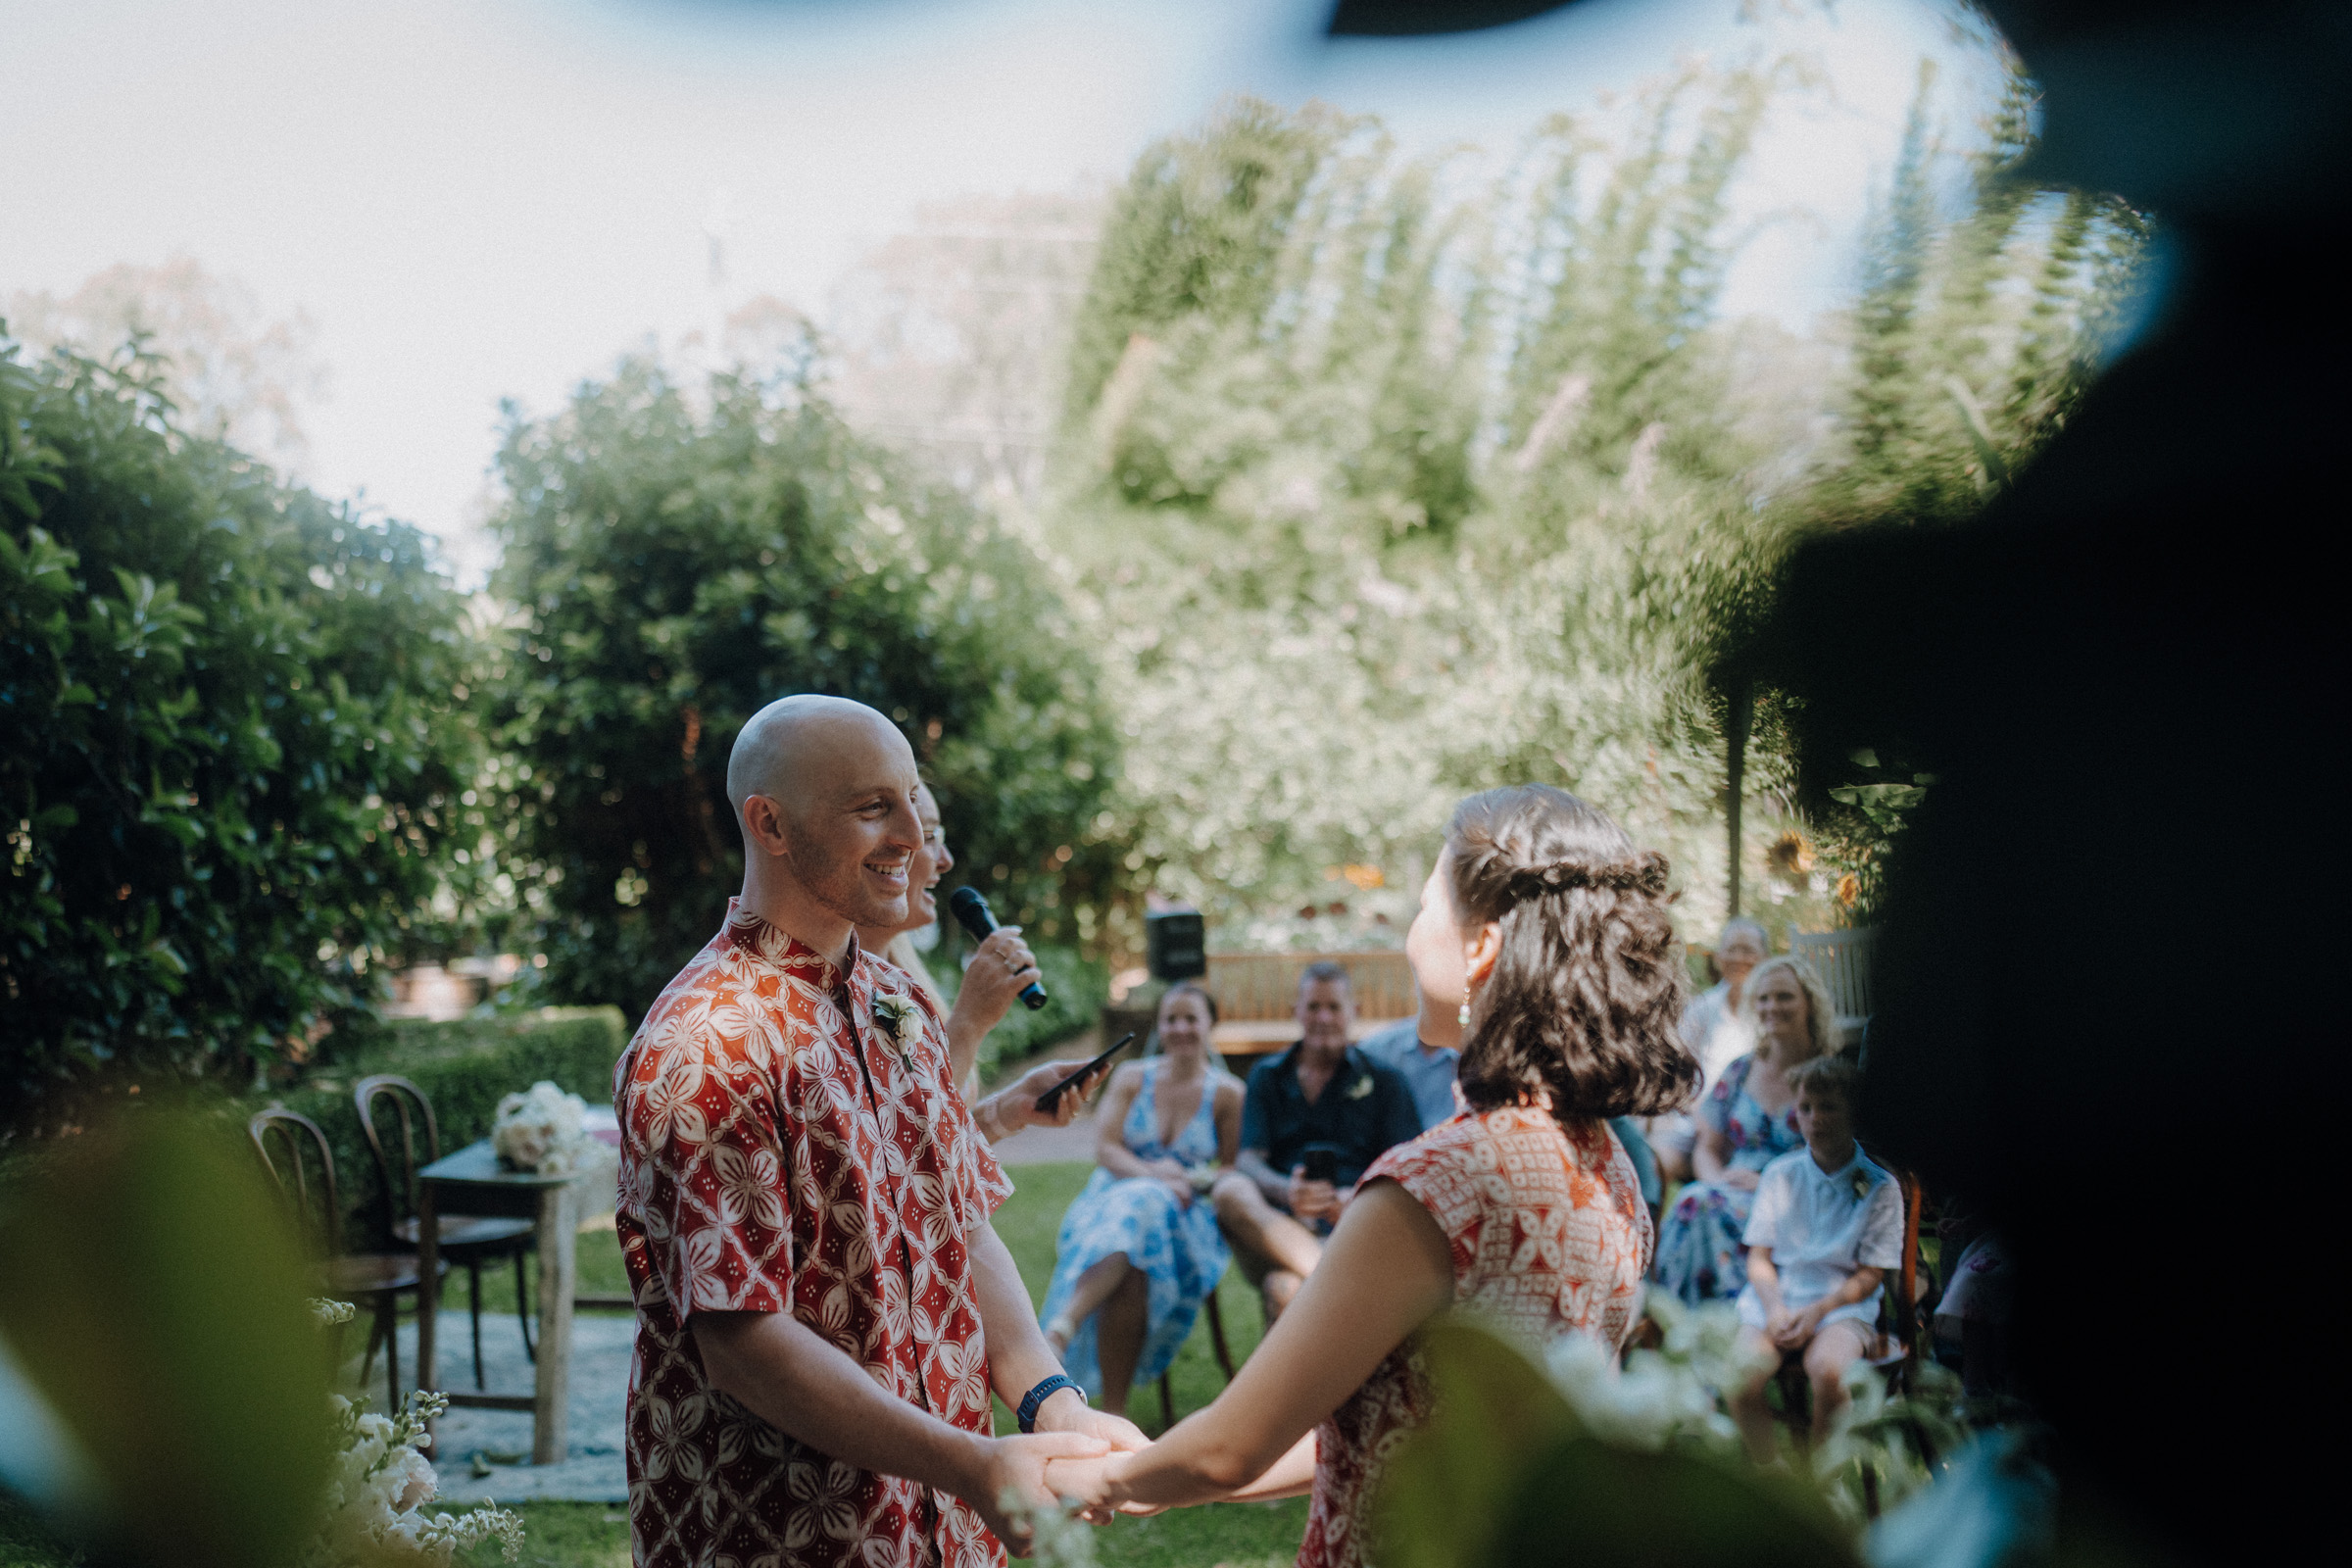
(471, 1182)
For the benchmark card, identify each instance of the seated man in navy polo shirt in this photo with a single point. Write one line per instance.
(1322, 1090)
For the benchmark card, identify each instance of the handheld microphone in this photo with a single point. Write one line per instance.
(972, 913)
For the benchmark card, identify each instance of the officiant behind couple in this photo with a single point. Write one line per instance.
(1547, 930)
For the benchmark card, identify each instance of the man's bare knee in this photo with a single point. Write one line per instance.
(1238, 1202)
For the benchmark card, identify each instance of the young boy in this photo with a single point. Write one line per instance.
(1826, 1227)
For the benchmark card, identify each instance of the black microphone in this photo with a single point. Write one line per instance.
(972, 913)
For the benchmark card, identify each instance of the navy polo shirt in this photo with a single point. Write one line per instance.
(1365, 1110)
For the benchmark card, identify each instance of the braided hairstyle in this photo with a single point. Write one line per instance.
(1588, 986)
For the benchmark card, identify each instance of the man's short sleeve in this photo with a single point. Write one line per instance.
(1771, 1205)
(705, 1181)
(1881, 1241)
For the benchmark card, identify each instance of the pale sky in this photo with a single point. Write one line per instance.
(482, 199)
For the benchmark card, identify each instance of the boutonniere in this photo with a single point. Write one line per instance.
(895, 1016)
(1861, 1185)
(1360, 1088)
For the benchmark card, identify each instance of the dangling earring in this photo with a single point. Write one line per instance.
(1465, 1016)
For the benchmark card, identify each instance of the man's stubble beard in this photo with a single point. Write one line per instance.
(837, 883)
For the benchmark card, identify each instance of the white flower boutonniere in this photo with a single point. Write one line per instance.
(1360, 1088)
(895, 1016)
(1861, 1186)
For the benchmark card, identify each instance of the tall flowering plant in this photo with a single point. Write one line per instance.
(374, 1514)
(377, 1497)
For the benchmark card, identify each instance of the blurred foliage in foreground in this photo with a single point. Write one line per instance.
(230, 740)
(1381, 479)
(165, 1331)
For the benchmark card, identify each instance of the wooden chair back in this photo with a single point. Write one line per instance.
(415, 1114)
(1842, 960)
(317, 1207)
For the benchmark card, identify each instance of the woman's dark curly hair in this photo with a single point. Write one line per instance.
(1587, 992)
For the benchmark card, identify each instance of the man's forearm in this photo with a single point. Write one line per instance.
(1018, 1357)
(810, 1391)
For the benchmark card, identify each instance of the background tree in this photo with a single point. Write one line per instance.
(231, 739)
(1384, 478)
(234, 377)
(679, 556)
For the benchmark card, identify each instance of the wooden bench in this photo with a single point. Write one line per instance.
(1257, 997)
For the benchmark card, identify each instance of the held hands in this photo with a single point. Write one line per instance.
(1002, 967)
(1743, 1178)
(1019, 1466)
(1065, 1412)
(1312, 1201)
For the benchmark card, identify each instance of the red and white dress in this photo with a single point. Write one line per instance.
(1550, 1237)
(780, 1153)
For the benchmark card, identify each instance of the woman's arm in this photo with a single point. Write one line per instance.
(1110, 1145)
(1387, 1270)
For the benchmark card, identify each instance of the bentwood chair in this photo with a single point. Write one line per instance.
(373, 1279)
(1216, 1345)
(468, 1241)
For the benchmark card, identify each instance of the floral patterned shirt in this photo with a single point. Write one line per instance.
(781, 1153)
(1550, 1237)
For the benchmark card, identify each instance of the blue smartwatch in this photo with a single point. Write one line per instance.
(1038, 1395)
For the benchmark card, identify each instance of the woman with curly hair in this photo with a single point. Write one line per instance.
(1747, 1121)
(1547, 929)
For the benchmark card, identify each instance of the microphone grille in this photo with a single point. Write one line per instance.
(964, 899)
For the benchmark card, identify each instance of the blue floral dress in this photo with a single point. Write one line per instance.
(1179, 1249)
(1700, 1257)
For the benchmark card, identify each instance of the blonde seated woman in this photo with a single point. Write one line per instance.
(1000, 968)
(1139, 1248)
(1547, 928)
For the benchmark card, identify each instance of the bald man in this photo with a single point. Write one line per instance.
(823, 1306)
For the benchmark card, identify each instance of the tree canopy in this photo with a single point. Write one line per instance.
(678, 556)
(231, 739)
(1381, 479)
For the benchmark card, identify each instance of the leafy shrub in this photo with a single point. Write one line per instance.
(1077, 988)
(231, 739)
(678, 562)
(465, 1068)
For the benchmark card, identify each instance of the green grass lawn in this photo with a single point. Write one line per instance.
(582, 1535)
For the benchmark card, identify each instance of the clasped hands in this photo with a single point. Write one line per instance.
(1791, 1331)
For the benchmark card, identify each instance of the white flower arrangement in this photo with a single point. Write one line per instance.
(541, 1130)
(377, 1492)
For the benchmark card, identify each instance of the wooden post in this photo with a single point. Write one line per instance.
(1735, 722)
(550, 1398)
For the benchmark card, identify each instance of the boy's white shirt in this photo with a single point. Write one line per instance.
(1820, 1231)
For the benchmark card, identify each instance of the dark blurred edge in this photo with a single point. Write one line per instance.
(1402, 19)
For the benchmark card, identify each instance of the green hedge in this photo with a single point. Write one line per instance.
(1077, 989)
(465, 1068)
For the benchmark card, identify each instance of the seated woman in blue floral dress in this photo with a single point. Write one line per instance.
(1746, 1122)
(1140, 1248)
